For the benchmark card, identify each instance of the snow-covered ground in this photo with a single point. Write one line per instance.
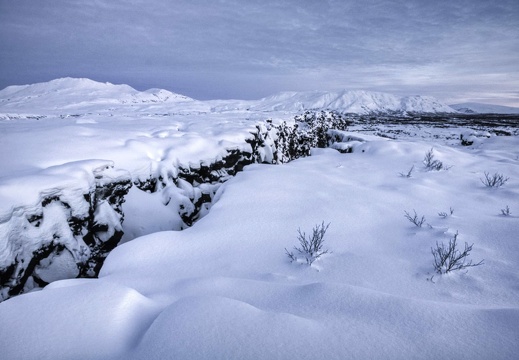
(225, 288)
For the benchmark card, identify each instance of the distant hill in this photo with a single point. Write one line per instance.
(479, 108)
(85, 95)
(358, 102)
(72, 93)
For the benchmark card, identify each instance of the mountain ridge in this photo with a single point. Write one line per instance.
(82, 94)
(352, 101)
(78, 92)
(481, 108)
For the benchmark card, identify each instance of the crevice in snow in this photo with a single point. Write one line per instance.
(192, 187)
(69, 232)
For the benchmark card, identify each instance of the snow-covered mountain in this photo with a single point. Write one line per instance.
(423, 104)
(479, 108)
(349, 101)
(88, 95)
(357, 102)
(85, 95)
(78, 93)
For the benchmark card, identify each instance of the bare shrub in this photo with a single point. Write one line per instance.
(494, 181)
(415, 219)
(506, 211)
(448, 258)
(444, 214)
(311, 247)
(432, 164)
(408, 174)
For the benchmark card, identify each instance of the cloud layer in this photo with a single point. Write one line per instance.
(456, 50)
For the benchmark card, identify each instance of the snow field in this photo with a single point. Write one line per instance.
(225, 289)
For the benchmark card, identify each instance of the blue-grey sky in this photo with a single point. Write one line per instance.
(456, 50)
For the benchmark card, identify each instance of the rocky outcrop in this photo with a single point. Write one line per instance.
(193, 187)
(67, 233)
(70, 230)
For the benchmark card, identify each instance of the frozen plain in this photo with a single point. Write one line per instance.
(225, 289)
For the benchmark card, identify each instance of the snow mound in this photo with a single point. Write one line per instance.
(126, 313)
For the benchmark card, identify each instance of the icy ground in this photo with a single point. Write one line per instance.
(225, 288)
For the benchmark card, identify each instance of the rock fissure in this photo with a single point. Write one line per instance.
(78, 234)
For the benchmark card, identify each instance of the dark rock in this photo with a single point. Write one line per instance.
(87, 236)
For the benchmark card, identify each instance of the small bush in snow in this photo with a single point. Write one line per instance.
(444, 214)
(494, 181)
(408, 174)
(432, 164)
(311, 247)
(506, 211)
(415, 219)
(448, 258)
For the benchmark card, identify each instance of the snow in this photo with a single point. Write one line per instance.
(225, 289)
(484, 108)
(73, 94)
(357, 102)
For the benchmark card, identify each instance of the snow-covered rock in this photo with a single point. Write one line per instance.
(67, 218)
(59, 223)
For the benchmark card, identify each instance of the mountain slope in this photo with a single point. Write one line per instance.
(424, 104)
(358, 102)
(479, 108)
(72, 93)
(85, 95)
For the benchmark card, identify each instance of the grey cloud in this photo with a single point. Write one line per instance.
(252, 48)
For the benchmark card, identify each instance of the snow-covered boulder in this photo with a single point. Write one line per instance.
(66, 221)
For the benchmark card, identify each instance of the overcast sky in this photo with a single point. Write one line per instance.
(456, 50)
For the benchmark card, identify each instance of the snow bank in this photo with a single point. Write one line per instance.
(65, 319)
